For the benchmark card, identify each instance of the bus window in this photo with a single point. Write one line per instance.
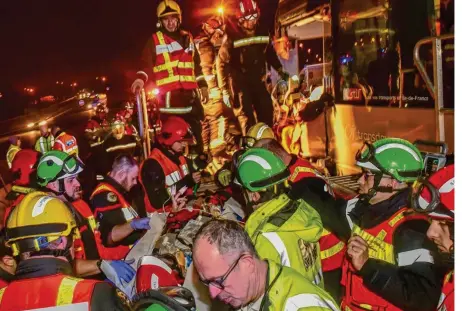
(374, 67)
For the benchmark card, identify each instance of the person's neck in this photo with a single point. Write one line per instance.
(261, 271)
(383, 196)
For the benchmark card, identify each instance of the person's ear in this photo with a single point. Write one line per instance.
(255, 196)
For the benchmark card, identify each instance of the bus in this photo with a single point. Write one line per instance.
(387, 63)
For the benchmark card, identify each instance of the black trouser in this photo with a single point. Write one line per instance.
(332, 284)
(250, 93)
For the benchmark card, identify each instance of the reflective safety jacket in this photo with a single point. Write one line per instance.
(11, 153)
(289, 291)
(287, 232)
(174, 64)
(66, 143)
(380, 240)
(332, 248)
(116, 252)
(446, 302)
(173, 174)
(47, 292)
(44, 144)
(88, 246)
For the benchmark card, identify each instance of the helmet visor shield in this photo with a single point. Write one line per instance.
(247, 142)
(425, 198)
(366, 153)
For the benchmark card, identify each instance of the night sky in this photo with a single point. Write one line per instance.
(49, 40)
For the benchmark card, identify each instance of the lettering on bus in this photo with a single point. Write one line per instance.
(352, 94)
(354, 134)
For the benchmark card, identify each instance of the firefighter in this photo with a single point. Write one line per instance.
(118, 221)
(214, 127)
(126, 116)
(13, 149)
(435, 196)
(64, 142)
(304, 173)
(58, 173)
(7, 263)
(97, 126)
(46, 140)
(292, 239)
(40, 231)
(171, 55)
(243, 57)
(226, 261)
(388, 263)
(166, 171)
(119, 143)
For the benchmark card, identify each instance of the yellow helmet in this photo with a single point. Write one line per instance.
(257, 132)
(38, 220)
(168, 7)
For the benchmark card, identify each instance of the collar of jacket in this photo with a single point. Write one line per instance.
(369, 216)
(39, 267)
(6, 276)
(118, 187)
(174, 157)
(272, 275)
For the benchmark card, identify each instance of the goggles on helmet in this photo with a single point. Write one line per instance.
(249, 18)
(420, 205)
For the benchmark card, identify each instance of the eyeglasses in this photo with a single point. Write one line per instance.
(219, 282)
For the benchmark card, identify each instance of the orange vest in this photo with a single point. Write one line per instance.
(357, 296)
(85, 211)
(331, 247)
(46, 292)
(446, 302)
(174, 65)
(117, 252)
(173, 174)
(66, 143)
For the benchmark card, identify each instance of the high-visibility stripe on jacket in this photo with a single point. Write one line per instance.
(332, 248)
(47, 292)
(44, 144)
(79, 246)
(174, 65)
(11, 153)
(173, 173)
(446, 302)
(117, 252)
(251, 41)
(287, 232)
(289, 291)
(380, 238)
(66, 143)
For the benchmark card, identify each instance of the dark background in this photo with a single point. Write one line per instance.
(75, 41)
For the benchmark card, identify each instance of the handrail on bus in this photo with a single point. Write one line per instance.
(419, 64)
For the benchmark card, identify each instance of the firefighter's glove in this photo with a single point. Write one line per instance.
(224, 177)
(118, 270)
(204, 91)
(140, 224)
(227, 99)
(284, 75)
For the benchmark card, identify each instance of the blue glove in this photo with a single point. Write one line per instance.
(140, 224)
(121, 269)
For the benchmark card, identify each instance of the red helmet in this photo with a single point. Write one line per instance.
(24, 164)
(174, 129)
(154, 273)
(248, 9)
(435, 195)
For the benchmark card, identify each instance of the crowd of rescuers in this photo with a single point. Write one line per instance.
(303, 245)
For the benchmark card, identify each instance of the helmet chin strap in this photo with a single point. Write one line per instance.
(376, 188)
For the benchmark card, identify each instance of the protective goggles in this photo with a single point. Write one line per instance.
(433, 205)
(366, 153)
(248, 18)
(246, 142)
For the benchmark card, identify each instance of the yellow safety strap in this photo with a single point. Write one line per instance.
(2, 291)
(66, 291)
(250, 41)
(365, 306)
(395, 219)
(332, 251)
(378, 249)
(167, 59)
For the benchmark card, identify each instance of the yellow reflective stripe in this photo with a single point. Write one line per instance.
(176, 110)
(395, 219)
(325, 232)
(167, 59)
(365, 306)
(250, 41)
(303, 169)
(66, 291)
(332, 250)
(166, 66)
(92, 222)
(127, 146)
(185, 65)
(2, 291)
(378, 249)
(176, 79)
